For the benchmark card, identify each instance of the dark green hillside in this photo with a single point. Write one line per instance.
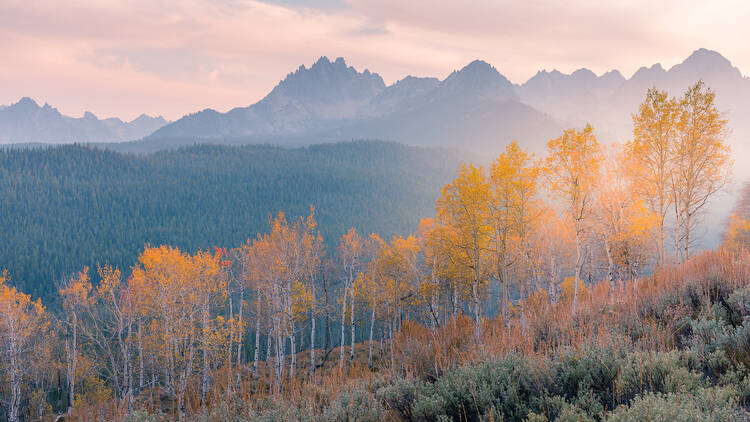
(69, 206)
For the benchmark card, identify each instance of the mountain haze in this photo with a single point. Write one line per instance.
(475, 108)
(27, 121)
(608, 101)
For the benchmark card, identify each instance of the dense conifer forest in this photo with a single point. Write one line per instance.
(68, 206)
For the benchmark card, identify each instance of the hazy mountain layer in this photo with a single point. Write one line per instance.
(476, 107)
(27, 122)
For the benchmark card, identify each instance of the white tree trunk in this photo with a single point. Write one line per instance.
(312, 329)
(351, 323)
(343, 332)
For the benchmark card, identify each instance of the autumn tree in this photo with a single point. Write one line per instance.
(553, 243)
(513, 210)
(572, 170)
(283, 266)
(392, 282)
(210, 285)
(252, 256)
(265, 275)
(650, 157)
(75, 294)
(312, 251)
(702, 159)
(351, 252)
(736, 235)
(464, 206)
(369, 286)
(624, 222)
(23, 323)
(437, 280)
(172, 289)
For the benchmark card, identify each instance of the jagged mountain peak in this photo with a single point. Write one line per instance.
(324, 61)
(326, 81)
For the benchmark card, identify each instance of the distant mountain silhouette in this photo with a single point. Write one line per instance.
(609, 101)
(26, 121)
(308, 100)
(564, 96)
(475, 107)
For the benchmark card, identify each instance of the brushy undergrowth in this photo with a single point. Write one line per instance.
(674, 347)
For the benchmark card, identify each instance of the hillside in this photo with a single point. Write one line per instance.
(670, 347)
(69, 206)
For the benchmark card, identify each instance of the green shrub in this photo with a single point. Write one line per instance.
(535, 417)
(643, 372)
(708, 335)
(143, 416)
(738, 304)
(511, 387)
(356, 403)
(589, 369)
(711, 404)
(399, 395)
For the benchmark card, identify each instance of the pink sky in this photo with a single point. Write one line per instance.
(124, 58)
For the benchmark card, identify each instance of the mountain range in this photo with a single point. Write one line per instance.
(28, 122)
(474, 108)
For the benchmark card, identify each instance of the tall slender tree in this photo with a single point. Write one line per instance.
(651, 157)
(464, 206)
(703, 162)
(572, 169)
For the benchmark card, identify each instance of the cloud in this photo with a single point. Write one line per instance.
(175, 57)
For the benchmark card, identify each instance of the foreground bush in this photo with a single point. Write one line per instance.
(712, 404)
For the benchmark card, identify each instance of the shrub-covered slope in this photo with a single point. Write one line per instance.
(673, 347)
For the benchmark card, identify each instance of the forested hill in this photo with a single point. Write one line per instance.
(69, 206)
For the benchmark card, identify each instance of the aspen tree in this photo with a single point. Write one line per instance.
(513, 209)
(464, 206)
(572, 170)
(75, 299)
(702, 156)
(350, 254)
(22, 323)
(650, 157)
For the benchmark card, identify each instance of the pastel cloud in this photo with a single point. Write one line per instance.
(175, 57)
